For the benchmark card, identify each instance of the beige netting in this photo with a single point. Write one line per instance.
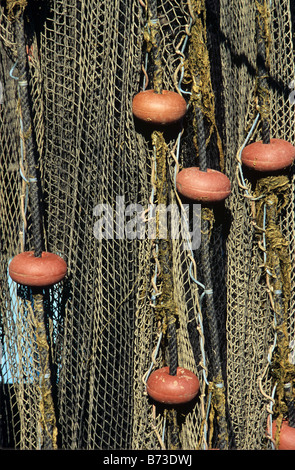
(85, 62)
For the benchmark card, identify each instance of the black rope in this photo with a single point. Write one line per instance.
(201, 139)
(263, 73)
(290, 404)
(174, 430)
(207, 279)
(34, 189)
(210, 310)
(155, 39)
(173, 354)
(265, 132)
(205, 253)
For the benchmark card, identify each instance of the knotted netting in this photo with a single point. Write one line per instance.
(105, 327)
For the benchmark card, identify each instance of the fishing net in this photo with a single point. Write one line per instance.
(75, 358)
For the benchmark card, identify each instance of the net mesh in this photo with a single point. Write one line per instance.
(86, 61)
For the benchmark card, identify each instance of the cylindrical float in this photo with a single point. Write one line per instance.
(46, 270)
(172, 389)
(277, 155)
(205, 186)
(163, 108)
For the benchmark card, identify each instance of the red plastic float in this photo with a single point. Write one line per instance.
(159, 108)
(206, 186)
(172, 389)
(287, 436)
(29, 270)
(276, 155)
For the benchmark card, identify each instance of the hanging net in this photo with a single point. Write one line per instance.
(76, 356)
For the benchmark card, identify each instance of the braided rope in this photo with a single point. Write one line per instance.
(289, 397)
(173, 356)
(210, 310)
(201, 139)
(155, 41)
(34, 188)
(263, 69)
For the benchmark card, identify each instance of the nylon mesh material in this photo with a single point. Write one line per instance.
(86, 61)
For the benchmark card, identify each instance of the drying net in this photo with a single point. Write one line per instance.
(104, 327)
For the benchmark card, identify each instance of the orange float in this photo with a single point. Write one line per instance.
(205, 186)
(172, 389)
(159, 108)
(276, 155)
(46, 270)
(287, 435)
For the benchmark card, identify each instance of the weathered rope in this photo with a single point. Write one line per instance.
(154, 39)
(218, 390)
(173, 356)
(198, 75)
(174, 429)
(46, 405)
(34, 189)
(277, 265)
(289, 397)
(263, 46)
(165, 308)
(280, 266)
(207, 279)
(201, 139)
